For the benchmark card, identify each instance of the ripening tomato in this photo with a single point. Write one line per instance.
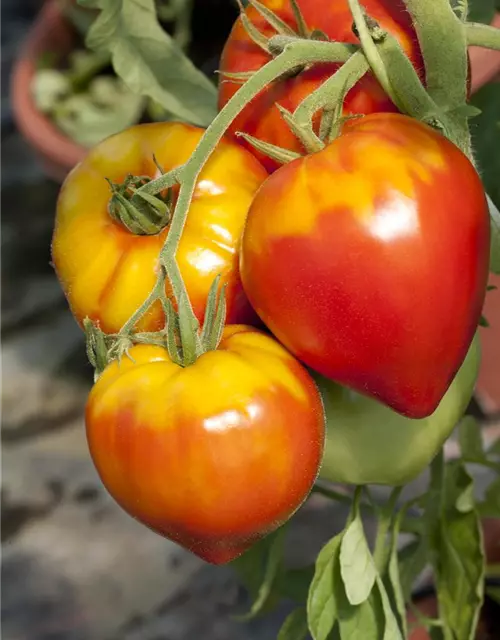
(369, 260)
(107, 271)
(368, 443)
(214, 455)
(261, 118)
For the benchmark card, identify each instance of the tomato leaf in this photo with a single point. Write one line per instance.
(412, 560)
(365, 620)
(373, 619)
(321, 602)
(459, 560)
(392, 581)
(392, 629)
(148, 60)
(295, 626)
(107, 107)
(271, 558)
(356, 563)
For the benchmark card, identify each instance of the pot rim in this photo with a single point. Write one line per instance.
(37, 128)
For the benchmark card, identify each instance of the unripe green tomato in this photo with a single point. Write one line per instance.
(368, 443)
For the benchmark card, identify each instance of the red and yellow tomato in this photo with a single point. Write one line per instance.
(261, 118)
(107, 272)
(369, 260)
(214, 455)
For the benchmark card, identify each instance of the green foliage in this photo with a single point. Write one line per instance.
(356, 563)
(481, 10)
(485, 130)
(259, 569)
(149, 61)
(321, 603)
(295, 626)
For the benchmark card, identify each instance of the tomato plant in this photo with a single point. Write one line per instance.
(369, 260)
(214, 455)
(107, 271)
(366, 258)
(367, 442)
(260, 117)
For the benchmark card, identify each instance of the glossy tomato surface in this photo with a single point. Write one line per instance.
(369, 260)
(368, 443)
(261, 117)
(107, 272)
(214, 455)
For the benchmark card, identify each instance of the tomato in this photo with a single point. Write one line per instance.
(107, 272)
(261, 117)
(369, 260)
(367, 442)
(214, 455)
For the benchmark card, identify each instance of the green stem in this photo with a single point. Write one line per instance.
(165, 181)
(294, 53)
(410, 95)
(370, 48)
(332, 494)
(380, 554)
(332, 92)
(155, 294)
(482, 35)
(343, 50)
(441, 36)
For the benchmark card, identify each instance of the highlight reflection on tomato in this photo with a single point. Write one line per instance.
(261, 118)
(369, 260)
(214, 455)
(107, 271)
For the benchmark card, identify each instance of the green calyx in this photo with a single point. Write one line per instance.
(181, 336)
(141, 213)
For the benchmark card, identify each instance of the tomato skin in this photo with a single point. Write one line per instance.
(368, 443)
(214, 455)
(369, 260)
(261, 117)
(107, 272)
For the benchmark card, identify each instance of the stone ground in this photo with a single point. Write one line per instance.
(75, 567)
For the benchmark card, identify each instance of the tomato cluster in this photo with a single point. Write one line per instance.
(366, 263)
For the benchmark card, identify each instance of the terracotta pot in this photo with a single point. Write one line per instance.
(50, 33)
(488, 384)
(489, 623)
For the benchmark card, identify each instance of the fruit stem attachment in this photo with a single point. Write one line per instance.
(330, 95)
(147, 216)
